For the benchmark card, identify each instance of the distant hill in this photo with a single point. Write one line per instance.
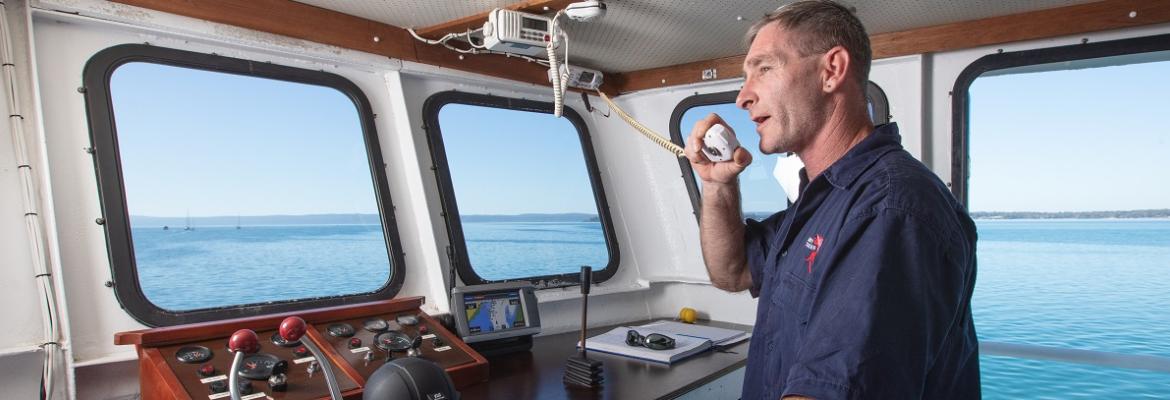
(1158, 213)
(565, 217)
(253, 220)
(340, 219)
(758, 215)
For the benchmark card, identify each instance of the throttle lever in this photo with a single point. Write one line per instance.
(292, 329)
(244, 341)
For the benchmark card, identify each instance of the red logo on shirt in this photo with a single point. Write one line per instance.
(813, 244)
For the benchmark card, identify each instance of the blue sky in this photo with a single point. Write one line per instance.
(513, 162)
(214, 144)
(1073, 140)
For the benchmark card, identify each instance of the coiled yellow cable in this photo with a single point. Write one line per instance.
(653, 136)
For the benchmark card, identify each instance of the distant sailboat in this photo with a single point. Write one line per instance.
(188, 227)
(237, 221)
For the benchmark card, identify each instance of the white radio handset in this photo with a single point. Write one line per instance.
(719, 143)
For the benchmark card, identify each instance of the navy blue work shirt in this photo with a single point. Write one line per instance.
(865, 284)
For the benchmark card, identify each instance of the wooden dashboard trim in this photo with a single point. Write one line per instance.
(165, 384)
(179, 334)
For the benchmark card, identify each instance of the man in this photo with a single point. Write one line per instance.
(864, 283)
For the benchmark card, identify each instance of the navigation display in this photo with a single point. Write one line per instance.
(493, 312)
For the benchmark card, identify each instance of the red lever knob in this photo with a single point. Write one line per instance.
(244, 340)
(292, 328)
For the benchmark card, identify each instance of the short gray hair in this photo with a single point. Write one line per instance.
(821, 25)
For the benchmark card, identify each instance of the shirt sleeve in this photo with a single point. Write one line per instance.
(895, 288)
(758, 239)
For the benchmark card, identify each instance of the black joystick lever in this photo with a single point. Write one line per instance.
(579, 369)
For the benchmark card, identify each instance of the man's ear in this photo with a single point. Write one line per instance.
(835, 65)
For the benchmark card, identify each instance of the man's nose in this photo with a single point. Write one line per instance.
(745, 98)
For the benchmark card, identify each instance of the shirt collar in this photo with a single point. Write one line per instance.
(883, 139)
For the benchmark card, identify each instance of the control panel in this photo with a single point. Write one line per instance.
(194, 361)
(368, 342)
(202, 369)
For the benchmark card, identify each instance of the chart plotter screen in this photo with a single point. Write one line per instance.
(493, 312)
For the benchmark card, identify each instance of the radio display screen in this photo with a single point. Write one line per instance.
(536, 24)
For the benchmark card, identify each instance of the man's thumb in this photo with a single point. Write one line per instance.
(742, 157)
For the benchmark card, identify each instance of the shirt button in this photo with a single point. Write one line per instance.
(784, 253)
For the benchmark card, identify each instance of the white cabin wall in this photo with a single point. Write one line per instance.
(662, 222)
(902, 79)
(22, 312)
(21, 357)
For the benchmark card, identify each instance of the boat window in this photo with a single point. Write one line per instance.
(235, 188)
(521, 191)
(761, 194)
(1066, 151)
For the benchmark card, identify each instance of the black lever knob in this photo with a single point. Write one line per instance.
(586, 279)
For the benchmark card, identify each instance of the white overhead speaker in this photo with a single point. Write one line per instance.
(585, 10)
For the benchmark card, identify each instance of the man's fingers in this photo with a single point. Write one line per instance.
(694, 143)
(742, 157)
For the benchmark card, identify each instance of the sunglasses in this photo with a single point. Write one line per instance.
(653, 341)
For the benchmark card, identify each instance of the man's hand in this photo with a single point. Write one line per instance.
(712, 172)
(721, 227)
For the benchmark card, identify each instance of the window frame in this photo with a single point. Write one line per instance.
(960, 168)
(961, 95)
(873, 93)
(457, 253)
(111, 187)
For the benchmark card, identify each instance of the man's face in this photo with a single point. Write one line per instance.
(782, 92)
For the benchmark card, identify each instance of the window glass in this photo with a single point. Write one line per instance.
(760, 193)
(525, 199)
(1067, 170)
(232, 180)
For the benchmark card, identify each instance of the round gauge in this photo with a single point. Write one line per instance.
(193, 354)
(279, 341)
(340, 330)
(375, 325)
(258, 366)
(392, 341)
(408, 319)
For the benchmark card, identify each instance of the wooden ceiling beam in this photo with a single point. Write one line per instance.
(476, 21)
(302, 21)
(1042, 24)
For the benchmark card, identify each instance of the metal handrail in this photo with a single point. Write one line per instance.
(1090, 357)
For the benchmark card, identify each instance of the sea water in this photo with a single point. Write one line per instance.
(1100, 285)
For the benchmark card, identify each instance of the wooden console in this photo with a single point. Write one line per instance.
(163, 376)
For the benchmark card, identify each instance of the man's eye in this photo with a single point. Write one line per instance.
(765, 68)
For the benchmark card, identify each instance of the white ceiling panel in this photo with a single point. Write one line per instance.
(640, 34)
